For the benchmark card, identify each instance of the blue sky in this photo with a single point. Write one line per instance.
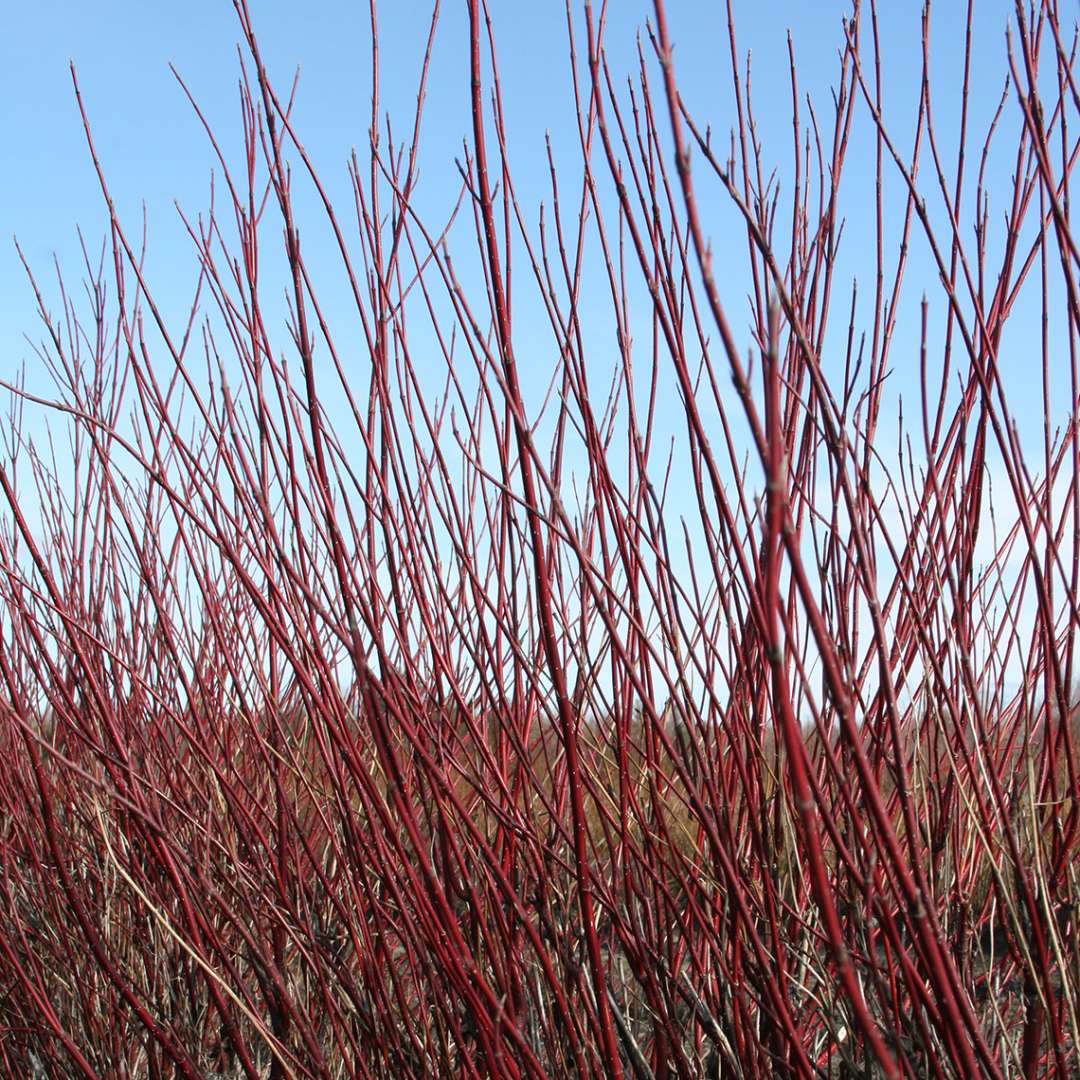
(154, 151)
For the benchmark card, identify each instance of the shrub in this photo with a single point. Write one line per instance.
(364, 722)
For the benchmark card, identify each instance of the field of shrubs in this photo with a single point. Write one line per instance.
(551, 662)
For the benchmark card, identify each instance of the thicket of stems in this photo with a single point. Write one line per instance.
(366, 714)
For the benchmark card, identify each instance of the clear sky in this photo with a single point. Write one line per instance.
(155, 152)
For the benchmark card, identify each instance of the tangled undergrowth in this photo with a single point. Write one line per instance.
(354, 727)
